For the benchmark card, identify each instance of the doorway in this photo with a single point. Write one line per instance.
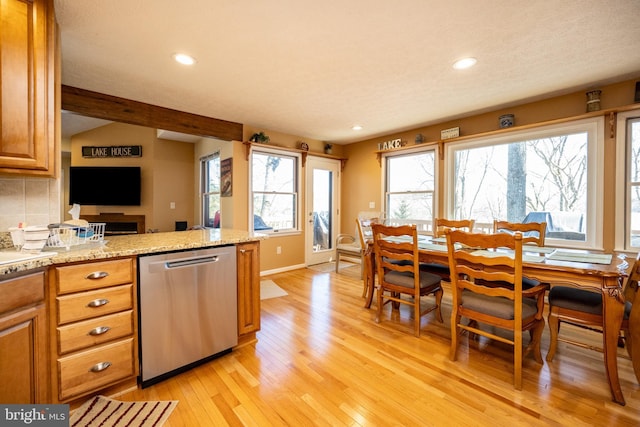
(322, 199)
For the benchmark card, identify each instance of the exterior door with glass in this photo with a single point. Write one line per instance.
(321, 210)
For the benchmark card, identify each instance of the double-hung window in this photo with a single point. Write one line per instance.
(210, 193)
(410, 185)
(552, 174)
(628, 181)
(274, 190)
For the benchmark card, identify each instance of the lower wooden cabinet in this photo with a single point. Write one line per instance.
(248, 262)
(23, 340)
(93, 319)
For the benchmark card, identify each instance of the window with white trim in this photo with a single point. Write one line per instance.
(210, 190)
(551, 174)
(410, 188)
(274, 190)
(628, 181)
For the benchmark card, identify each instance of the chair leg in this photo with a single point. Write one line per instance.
(455, 319)
(417, 317)
(517, 359)
(337, 261)
(554, 328)
(379, 308)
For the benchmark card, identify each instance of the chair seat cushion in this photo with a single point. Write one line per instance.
(526, 283)
(345, 247)
(405, 279)
(580, 300)
(497, 306)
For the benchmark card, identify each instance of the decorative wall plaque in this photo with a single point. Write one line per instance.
(112, 151)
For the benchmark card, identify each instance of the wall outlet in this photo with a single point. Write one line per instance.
(278, 250)
(172, 205)
(372, 205)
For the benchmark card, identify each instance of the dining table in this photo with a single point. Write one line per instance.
(593, 270)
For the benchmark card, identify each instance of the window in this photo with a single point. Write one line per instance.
(628, 181)
(210, 185)
(410, 188)
(549, 174)
(274, 191)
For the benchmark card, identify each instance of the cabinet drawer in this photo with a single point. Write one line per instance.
(94, 275)
(21, 291)
(86, 305)
(87, 333)
(83, 372)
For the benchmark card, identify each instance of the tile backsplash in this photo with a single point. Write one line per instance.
(34, 201)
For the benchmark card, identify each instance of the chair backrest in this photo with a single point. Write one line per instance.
(440, 225)
(631, 285)
(532, 232)
(396, 249)
(363, 225)
(469, 265)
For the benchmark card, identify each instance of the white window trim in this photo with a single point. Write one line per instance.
(595, 181)
(287, 153)
(418, 149)
(203, 159)
(622, 185)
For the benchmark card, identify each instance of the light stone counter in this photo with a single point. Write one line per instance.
(137, 244)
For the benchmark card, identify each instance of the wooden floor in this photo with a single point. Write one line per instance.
(321, 359)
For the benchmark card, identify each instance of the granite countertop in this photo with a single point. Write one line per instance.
(135, 244)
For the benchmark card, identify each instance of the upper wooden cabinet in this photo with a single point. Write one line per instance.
(27, 87)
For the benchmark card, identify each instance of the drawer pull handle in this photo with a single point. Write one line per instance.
(98, 302)
(99, 367)
(97, 275)
(99, 330)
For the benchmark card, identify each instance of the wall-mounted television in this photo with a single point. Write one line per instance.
(105, 185)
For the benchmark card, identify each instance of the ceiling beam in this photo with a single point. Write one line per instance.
(123, 110)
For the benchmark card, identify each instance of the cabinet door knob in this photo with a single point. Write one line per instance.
(99, 330)
(98, 302)
(243, 251)
(97, 275)
(98, 367)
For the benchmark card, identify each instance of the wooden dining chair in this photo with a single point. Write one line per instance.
(398, 271)
(440, 225)
(509, 308)
(583, 308)
(532, 232)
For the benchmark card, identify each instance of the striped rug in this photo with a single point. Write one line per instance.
(102, 411)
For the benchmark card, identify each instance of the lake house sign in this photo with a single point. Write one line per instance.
(113, 151)
(390, 145)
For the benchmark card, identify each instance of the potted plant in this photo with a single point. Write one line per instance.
(259, 137)
(328, 148)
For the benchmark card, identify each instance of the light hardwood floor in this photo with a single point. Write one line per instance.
(321, 359)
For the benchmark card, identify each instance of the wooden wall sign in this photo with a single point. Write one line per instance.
(113, 151)
(390, 145)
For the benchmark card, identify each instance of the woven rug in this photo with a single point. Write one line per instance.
(268, 289)
(102, 411)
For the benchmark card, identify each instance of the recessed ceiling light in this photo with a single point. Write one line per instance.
(464, 63)
(356, 127)
(184, 59)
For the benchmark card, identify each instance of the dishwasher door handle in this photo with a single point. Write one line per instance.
(188, 262)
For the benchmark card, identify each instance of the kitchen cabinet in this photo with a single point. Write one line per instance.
(248, 264)
(93, 319)
(27, 87)
(23, 339)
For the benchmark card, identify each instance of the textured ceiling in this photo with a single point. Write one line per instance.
(315, 68)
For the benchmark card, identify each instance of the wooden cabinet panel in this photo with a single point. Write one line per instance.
(95, 368)
(23, 341)
(248, 259)
(96, 331)
(94, 275)
(27, 87)
(85, 305)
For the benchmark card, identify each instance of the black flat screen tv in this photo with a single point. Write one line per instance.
(104, 185)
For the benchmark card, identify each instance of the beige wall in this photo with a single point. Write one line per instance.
(167, 172)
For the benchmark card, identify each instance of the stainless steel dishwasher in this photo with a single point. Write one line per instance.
(188, 310)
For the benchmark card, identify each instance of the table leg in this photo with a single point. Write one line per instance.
(613, 310)
(369, 276)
